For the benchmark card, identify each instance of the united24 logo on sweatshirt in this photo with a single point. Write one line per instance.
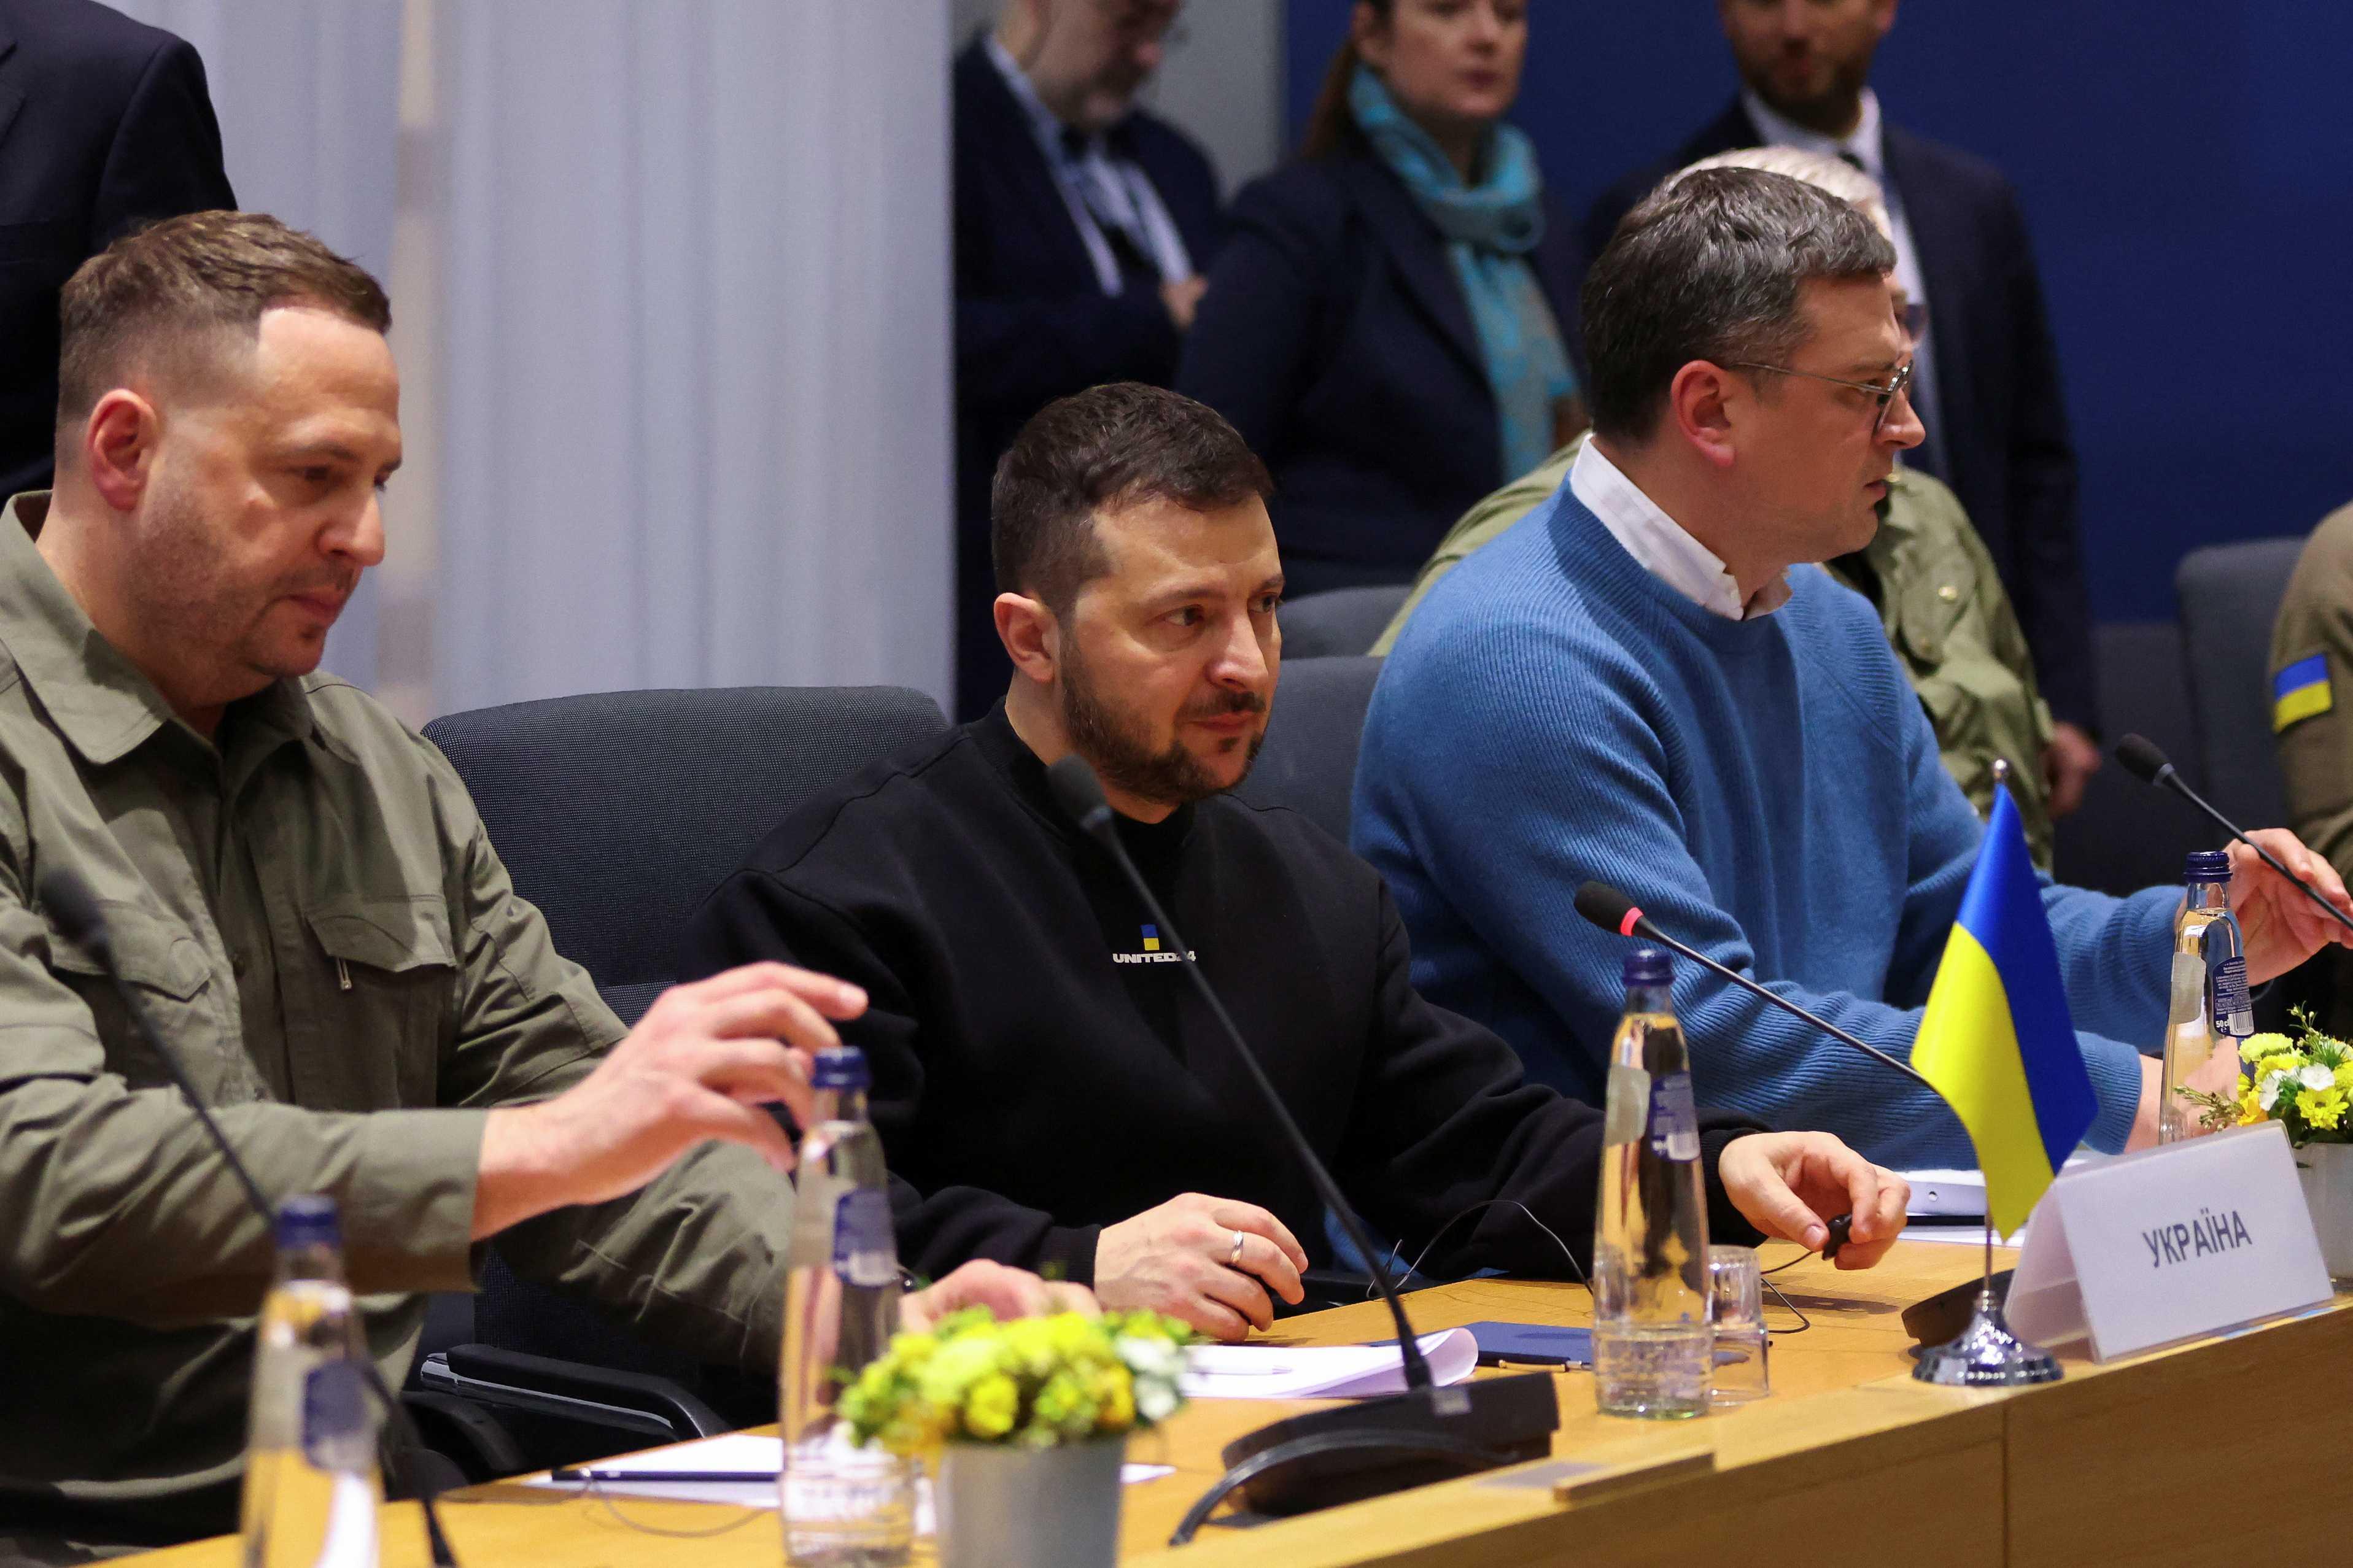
(1152, 953)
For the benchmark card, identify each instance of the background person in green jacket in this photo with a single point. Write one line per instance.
(1938, 593)
(2312, 712)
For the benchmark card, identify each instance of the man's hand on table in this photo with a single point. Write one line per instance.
(704, 1062)
(1208, 1261)
(1790, 1184)
(1006, 1291)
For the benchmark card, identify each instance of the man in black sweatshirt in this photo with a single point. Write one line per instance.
(1050, 1091)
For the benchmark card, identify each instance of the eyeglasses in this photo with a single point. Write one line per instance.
(1898, 382)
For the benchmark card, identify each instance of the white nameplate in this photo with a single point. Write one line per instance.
(2168, 1244)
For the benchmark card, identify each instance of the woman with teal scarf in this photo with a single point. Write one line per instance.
(1393, 325)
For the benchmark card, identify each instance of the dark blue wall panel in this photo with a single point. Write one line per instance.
(2187, 169)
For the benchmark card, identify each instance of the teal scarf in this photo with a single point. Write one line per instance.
(1489, 228)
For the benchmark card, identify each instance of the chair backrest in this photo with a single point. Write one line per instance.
(1309, 762)
(2127, 836)
(2229, 595)
(1342, 622)
(618, 813)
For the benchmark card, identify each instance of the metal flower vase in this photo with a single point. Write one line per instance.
(2324, 1171)
(1002, 1506)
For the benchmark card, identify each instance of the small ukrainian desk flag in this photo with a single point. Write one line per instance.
(1995, 1039)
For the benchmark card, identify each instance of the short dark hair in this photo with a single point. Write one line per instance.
(1105, 449)
(1709, 268)
(154, 292)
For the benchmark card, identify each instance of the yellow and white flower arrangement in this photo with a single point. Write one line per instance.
(2306, 1084)
(1033, 1382)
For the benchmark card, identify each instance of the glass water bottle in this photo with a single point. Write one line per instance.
(1653, 1345)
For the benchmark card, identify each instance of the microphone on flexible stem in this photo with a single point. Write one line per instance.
(1931, 1321)
(70, 903)
(1612, 911)
(1081, 797)
(1360, 1451)
(2141, 758)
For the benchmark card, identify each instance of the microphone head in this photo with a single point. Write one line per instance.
(1606, 907)
(1079, 793)
(2141, 758)
(71, 904)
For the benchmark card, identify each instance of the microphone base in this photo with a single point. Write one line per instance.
(1372, 1448)
(1934, 1320)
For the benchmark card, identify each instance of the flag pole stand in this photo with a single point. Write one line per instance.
(1987, 1354)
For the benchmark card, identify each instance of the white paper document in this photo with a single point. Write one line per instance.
(1320, 1371)
(757, 1461)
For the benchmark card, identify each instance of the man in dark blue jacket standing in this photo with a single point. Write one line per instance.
(1987, 381)
(1083, 227)
(104, 124)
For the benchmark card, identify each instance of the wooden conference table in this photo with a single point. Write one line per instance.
(1849, 1462)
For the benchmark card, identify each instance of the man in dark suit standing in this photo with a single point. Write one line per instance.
(104, 124)
(1987, 381)
(1083, 228)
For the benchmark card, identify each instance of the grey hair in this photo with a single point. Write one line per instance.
(1838, 177)
(1710, 267)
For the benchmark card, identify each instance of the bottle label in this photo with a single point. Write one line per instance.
(863, 1251)
(1674, 1123)
(336, 1432)
(2234, 1013)
(1628, 1109)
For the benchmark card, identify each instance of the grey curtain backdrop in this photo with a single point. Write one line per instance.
(671, 287)
(308, 99)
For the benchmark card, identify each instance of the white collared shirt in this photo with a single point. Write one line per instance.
(1660, 544)
(1867, 143)
(1116, 183)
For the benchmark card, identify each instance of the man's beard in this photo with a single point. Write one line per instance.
(180, 590)
(1124, 761)
(1822, 111)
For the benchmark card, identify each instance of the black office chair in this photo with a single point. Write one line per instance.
(2231, 594)
(2126, 836)
(617, 815)
(1338, 623)
(1309, 761)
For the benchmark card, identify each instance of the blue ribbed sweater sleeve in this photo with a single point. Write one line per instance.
(1554, 715)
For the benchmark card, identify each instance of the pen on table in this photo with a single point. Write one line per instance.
(714, 1477)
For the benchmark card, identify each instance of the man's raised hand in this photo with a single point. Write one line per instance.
(704, 1063)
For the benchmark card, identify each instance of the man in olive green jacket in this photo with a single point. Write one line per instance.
(2311, 718)
(2312, 653)
(1938, 596)
(302, 898)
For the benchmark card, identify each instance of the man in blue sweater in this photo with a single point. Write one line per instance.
(1643, 683)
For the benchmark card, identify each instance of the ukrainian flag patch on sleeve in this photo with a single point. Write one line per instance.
(2300, 691)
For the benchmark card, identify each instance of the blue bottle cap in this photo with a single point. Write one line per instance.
(1647, 967)
(2206, 865)
(307, 1219)
(843, 1067)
